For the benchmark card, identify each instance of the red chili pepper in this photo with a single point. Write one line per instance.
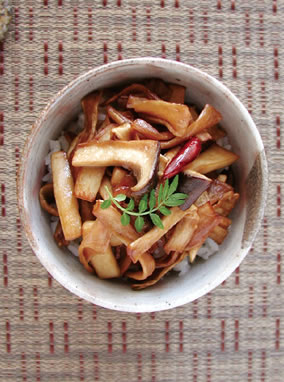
(184, 156)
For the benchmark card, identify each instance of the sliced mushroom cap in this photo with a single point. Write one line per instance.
(139, 156)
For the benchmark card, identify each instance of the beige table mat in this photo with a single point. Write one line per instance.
(234, 333)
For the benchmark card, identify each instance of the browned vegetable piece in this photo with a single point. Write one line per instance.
(193, 112)
(183, 232)
(90, 104)
(214, 158)
(103, 192)
(192, 253)
(96, 237)
(204, 136)
(72, 146)
(125, 185)
(46, 199)
(227, 202)
(217, 190)
(117, 176)
(173, 142)
(170, 154)
(110, 217)
(145, 242)
(206, 119)
(105, 134)
(66, 201)
(104, 124)
(115, 241)
(124, 264)
(175, 117)
(96, 250)
(162, 165)
(159, 87)
(216, 132)
(158, 274)
(59, 236)
(203, 198)
(139, 156)
(83, 260)
(167, 259)
(133, 89)
(222, 178)
(148, 131)
(117, 116)
(105, 264)
(177, 93)
(148, 266)
(225, 222)
(218, 234)
(85, 209)
(122, 132)
(88, 182)
(203, 127)
(193, 184)
(208, 220)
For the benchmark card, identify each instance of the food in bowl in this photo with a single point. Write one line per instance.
(143, 185)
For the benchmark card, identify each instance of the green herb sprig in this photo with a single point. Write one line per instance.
(149, 204)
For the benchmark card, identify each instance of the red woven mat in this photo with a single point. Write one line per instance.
(234, 333)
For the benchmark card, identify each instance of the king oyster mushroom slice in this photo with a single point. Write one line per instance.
(139, 156)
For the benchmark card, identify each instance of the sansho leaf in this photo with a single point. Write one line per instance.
(179, 195)
(166, 189)
(173, 185)
(165, 211)
(131, 205)
(160, 195)
(143, 203)
(106, 204)
(173, 202)
(125, 219)
(139, 223)
(152, 201)
(120, 197)
(156, 220)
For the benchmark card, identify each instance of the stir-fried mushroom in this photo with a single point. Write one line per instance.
(47, 200)
(139, 156)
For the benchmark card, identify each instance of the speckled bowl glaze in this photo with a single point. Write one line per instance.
(250, 171)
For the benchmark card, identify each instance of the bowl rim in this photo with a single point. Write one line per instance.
(163, 305)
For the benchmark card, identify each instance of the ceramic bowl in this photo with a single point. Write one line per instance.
(250, 172)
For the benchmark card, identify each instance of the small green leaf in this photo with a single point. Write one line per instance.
(139, 223)
(173, 202)
(152, 201)
(120, 197)
(179, 195)
(166, 189)
(156, 220)
(173, 185)
(106, 204)
(125, 219)
(130, 205)
(160, 195)
(165, 211)
(143, 203)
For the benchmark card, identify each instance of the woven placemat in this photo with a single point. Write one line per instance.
(234, 333)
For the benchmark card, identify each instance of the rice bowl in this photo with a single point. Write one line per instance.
(250, 173)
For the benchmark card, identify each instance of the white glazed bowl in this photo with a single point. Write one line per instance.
(250, 170)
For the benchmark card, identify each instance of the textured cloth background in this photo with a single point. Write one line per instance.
(234, 333)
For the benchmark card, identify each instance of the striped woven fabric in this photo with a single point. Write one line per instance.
(234, 333)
